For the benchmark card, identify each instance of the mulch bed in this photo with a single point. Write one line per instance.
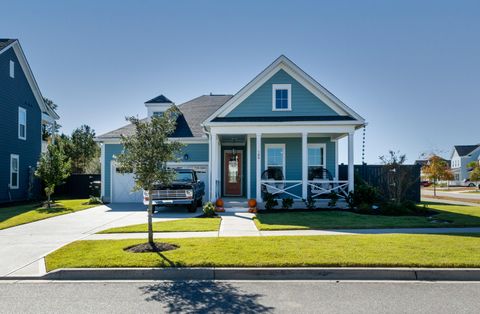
(148, 248)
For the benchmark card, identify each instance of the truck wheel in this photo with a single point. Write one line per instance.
(192, 207)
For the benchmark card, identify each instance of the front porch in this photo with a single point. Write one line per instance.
(295, 165)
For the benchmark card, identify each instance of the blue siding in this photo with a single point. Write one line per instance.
(304, 103)
(293, 158)
(196, 153)
(14, 93)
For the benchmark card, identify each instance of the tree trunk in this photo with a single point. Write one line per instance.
(434, 188)
(150, 214)
(48, 200)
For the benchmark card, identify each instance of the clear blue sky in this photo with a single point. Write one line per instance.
(411, 68)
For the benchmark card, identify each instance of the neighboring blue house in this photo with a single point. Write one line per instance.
(461, 156)
(22, 116)
(278, 134)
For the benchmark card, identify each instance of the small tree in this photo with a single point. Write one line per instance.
(395, 180)
(146, 153)
(475, 172)
(53, 169)
(437, 169)
(84, 149)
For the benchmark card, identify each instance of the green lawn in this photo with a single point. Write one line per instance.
(458, 216)
(189, 224)
(392, 250)
(22, 214)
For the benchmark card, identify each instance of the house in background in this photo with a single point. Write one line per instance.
(461, 156)
(278, 134)
(23, 115)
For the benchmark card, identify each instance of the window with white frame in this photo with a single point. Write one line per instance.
(282, 97)
(22, 123)
(316, 162)
(14, 165)
(275, 161)
(12, 69)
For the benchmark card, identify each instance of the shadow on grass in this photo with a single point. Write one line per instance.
(53, 210)
(203, 297)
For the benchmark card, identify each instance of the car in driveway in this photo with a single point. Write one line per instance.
(185, 190)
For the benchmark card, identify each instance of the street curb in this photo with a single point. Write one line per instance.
(297, 273)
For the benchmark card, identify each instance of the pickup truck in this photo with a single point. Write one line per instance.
(185, 189)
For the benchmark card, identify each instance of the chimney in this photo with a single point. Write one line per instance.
(158, 105)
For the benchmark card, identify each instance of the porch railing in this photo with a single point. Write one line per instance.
(276, 187)
(315, 188)
(325, 187)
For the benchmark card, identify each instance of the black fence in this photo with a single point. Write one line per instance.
(375, 176)
(79, 186)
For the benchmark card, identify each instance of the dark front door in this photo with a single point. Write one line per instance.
(233, 173)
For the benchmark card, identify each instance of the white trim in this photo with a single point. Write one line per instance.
(305, 147)
(350, 163)
(24, 111)
(258, 167)
(337, 177)
(12, 69)
(113, 168)
(249, 167)
(31, 79)
(102, 170)
(298, 74)
(282, 146)
(16, 157)
(357, 124)
(194, 140)
(225, 173)
(276, 87)
(282, 129)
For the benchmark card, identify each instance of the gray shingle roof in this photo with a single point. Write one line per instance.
(464, 150)
(194, 112)
(159, 100)
(4, 42)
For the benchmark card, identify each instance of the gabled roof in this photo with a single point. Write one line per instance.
(159, 100)
(194, 112)
(5, 44)
(464, 150)
(298, 74)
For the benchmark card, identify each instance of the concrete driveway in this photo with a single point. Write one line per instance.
(22, 248)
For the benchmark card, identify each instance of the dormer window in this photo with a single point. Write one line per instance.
(12, 69)
(282, 97)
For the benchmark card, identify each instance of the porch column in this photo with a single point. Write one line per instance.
(258, 168)
(304, 165)
(214, 167)
(350, 162)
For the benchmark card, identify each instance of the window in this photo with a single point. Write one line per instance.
(282, 97)
(22, 123)
(275, 160)
(316, 162)
(12, 69)
(14, 162)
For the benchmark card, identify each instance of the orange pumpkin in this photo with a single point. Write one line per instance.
(252, 203)
(219, 202)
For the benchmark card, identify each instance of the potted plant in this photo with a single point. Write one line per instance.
(219, 205)
(252, 205)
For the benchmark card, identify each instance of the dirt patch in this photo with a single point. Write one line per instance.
(149, 248)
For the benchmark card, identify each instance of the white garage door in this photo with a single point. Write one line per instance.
(122, 184)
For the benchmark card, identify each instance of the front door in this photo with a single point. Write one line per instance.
(233, 173)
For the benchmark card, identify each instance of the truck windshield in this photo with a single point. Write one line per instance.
(184, 177)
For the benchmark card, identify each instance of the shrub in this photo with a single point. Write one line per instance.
(94, 200)
(309, 202)
(333, 199)
(209, 209)
(287, 203)
(363, 194)
(270, 201)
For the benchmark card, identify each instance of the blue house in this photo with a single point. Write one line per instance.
(23, 115)
(278, 134)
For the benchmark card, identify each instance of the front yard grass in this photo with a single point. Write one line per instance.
(448, 216)
(189, 224)
(22, 214)
(390, 250)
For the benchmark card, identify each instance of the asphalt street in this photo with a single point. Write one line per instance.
(239, 297)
